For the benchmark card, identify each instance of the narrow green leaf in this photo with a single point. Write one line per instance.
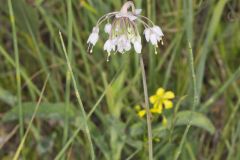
(46, 111)
(88, 7)
(197, 120)
(208, 41)
(7, 97)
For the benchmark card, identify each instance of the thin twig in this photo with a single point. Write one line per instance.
(9, 136)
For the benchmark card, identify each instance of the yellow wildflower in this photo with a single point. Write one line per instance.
(156, 110)
(142, 113)
(162, 99)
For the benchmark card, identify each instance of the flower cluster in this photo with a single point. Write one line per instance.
(160, 101)
(123, 32)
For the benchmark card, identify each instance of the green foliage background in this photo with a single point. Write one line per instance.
(110, 90)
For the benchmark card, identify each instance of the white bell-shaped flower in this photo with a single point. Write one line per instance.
(154, 34)
(158, 31)
(93, 38)
(109, 46)
(137, 45)
(123, 44)
(138, 11)
(108, 28)
(147, 33)
(153, 38)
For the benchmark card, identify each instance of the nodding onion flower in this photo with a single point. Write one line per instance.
(123, 32)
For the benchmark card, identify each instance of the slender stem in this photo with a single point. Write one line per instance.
(68, 75)
(150, 146)
(126, 6)
(144, 17)
(104, 17)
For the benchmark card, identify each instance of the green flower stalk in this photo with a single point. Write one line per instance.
(123, 33)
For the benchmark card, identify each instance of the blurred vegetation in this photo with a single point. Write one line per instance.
(110, 90)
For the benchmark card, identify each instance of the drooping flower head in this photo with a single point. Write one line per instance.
(123, 32)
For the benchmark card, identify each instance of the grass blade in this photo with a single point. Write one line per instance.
(79, 101)
(21, 145)
(18, 77)
(208, 41)
(195, 102)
